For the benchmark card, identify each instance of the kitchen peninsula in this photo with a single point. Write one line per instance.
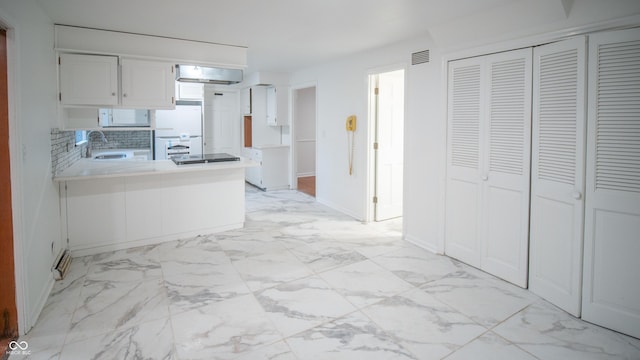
(108, 205)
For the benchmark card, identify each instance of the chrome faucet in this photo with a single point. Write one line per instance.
(104, 140)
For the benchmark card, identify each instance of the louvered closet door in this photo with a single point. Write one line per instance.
(557, 178)
(611, 290)
(463, 160)
(507, 164)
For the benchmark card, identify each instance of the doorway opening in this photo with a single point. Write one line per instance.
(386, 93)
(304, 117)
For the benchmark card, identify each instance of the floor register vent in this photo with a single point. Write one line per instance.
(62, 265)
(420, 57)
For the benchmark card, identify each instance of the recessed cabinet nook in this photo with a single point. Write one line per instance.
(543, 187)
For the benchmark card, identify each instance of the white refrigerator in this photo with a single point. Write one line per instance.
(179, 131)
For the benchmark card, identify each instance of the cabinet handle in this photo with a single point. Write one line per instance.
(113, 94)
(124, 95)
(576, 195)
(485, 177)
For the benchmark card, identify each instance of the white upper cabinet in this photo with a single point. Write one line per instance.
(245, 99)
(147, 84)
(276, 106)
(92, 80)
(88, 79)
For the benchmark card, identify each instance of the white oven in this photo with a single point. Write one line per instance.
(167, 147)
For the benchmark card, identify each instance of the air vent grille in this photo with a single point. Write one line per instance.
(420, 57)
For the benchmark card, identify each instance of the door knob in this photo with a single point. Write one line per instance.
(576, 195)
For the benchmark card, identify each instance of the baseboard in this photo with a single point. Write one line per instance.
(338, 208)
(306, 174)
(102, 248)
(419, 243)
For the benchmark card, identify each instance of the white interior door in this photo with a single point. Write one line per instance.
(507, 166)
(488, 163)
(611, 294)
(390, 151)
(465, 103)
(557, 179)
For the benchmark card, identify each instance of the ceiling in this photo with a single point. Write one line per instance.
(284, 35)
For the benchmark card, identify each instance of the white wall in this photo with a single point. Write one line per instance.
(305, 130)
(34, 114)
(342, 91)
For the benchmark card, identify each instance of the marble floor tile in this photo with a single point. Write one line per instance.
(261, 272)
(490, 346)
(418, 266)
(301, 281)
(422, 324)
(135, 267)
(377, 245)
(486, 300)
(277, 351)
(245, 246)
(223, 330)
(109, 306)
(365, 283)
(189, 291)
(54, 321)
(352, 337)
(302, 304)
(150, 340)
(320, 257)
(176, 259)
(549, 333)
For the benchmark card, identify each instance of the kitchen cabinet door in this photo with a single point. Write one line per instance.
(95, 216)
(88, 79)
(246, 101)
(276, 106)
(148, 84)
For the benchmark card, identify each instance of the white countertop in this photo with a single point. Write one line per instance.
(86, 169)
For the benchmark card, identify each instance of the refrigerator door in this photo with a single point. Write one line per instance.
(196, 145)
(183, 121)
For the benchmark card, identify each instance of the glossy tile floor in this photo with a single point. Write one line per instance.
(302, 281)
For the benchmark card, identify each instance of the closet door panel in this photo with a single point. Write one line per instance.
(507, 166)
(557, 181)
(611, 295)
(463, 160)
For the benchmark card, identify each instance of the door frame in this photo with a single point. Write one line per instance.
(15, 158)
(293, 156)
(371, 130)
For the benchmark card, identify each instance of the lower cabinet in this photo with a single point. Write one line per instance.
(273, 170)
(123, 212)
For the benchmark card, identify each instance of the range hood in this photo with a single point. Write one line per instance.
(208, 75)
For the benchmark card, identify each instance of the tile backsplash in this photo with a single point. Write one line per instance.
(135, 139)
(65, 153)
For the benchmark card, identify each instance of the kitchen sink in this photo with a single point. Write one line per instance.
(111, 156)
(122, 154)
